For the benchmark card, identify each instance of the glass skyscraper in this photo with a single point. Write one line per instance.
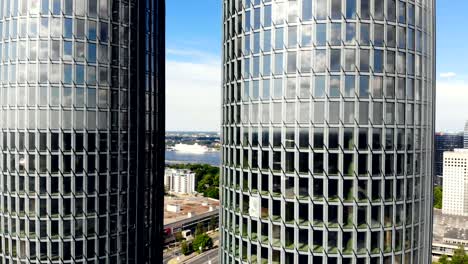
(328, 126)
(445, 142)
(465, 136)
(82, 131)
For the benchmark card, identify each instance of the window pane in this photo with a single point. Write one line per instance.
(350, 9)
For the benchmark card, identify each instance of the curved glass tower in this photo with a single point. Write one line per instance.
(82, 130)
(327, 131)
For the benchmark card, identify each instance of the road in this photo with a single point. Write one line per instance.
(174, 252)
(166, 258)
(211, 255)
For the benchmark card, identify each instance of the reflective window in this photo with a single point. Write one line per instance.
(330, 80)
(364, 86)
(334, 112)
(335, 38)
(334, 86)
(378, 61)
(320, 61)
(321, 35)
(306, 10)
(365, 34)
(349, 86)
(350, 33)
(350, 60)
(335, 60)
(67, 28)
(336, 9)
(292, 62)
(365, 9)
(319, 87)
(379, 10)
(321, 9)
(401, 12)
(350, 9)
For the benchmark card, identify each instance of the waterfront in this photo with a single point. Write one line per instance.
(211, 158)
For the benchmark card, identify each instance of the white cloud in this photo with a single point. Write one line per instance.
(191, 55)
(193, 94)
(452, 105)
(448, 75)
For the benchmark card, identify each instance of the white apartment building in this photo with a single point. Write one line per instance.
(455, 183)
(179, 181)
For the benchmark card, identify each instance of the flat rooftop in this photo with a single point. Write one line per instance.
(449, 227)
(197, 205)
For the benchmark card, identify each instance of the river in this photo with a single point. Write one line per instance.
(212, 158)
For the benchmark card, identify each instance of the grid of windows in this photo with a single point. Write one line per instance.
(465, 135)
(445, 142)
(327, 131)
(455, 183)
(68, 107)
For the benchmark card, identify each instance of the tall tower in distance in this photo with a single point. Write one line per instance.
(327, 131)
(455, 183)
(82, 131)
(465, 135)
(444, 142)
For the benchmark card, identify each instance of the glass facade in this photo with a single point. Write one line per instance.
(445, 142)
(81, 97)
(328, 125)
(465, 135)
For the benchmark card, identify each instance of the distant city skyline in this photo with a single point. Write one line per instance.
(194, 66)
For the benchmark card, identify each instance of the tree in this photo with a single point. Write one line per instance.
(443, 260)
(206, 178)
(185, 248)
(459, 256)
(438, 197)
(212, 224)
(202, 241)
(199, 229)
(212, 192)
(178, 236)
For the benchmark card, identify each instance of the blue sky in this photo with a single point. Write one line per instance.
(452, 70)
(195, 25)
(452, 33)
(194, 64)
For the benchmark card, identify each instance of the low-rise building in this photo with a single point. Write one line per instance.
(193, 212)
(179, 181)
(449, 232)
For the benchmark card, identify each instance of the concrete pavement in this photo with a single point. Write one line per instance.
(205, 258)
(174, 252)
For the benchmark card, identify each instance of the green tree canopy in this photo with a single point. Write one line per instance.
(438, 197)
(202, 241)
(206, 178)
(444, 259)
(459, 257)
(212, 224)
(199, 229)
(185, 248)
